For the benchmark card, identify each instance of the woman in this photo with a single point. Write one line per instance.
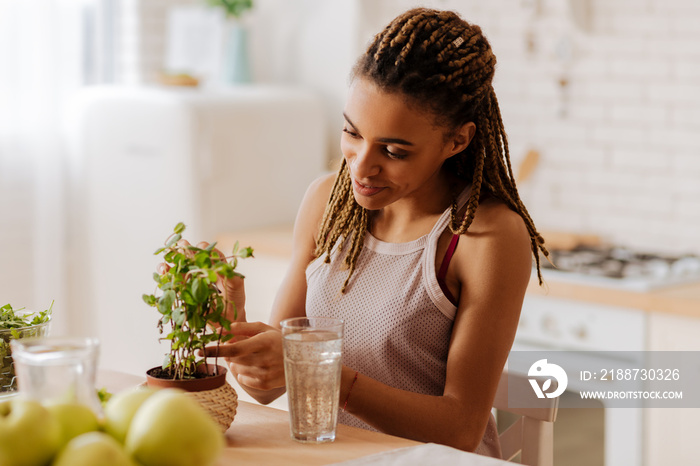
(420, 243)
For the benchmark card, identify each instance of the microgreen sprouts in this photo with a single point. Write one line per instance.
(16, 324)
(9, 319)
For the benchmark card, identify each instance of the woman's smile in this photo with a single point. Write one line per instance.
(365, 189)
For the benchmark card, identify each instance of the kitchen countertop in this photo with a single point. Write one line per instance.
(276, 241)
(680, 299)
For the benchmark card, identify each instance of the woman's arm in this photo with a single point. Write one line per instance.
(255, 357)
(492, 265)
(291, 297)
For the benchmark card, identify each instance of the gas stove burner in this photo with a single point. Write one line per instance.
(623, 267)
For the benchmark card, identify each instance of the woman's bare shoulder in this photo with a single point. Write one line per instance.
(497, 241)
(495, 219)
(317, 195)
(311, 211)
(322, 186)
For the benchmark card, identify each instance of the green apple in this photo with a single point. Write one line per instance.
(172, 429)
(74, 419)
(120, 409)
(29, 435)
(92, 449)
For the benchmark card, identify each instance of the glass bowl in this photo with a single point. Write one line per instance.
(8, 382)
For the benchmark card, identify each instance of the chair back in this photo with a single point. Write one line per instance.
(532, 434)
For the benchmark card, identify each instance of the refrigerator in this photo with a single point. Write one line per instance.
(144, 159)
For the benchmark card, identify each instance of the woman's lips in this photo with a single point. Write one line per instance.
(365, 190)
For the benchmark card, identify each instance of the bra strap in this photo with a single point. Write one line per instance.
(442, 273)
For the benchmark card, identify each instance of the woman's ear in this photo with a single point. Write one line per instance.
(461, 138)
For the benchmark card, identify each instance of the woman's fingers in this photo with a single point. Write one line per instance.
(256, 357)
(231, 350)
(244, 342)
(250, 329)
(232, 288)
(258, 378)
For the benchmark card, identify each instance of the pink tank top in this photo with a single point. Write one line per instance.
(398, 320)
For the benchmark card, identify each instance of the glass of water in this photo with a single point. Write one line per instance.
(312, 366)
(57, 370)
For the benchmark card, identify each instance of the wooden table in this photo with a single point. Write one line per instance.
(259, 435)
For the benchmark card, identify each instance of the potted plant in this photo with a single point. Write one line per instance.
(236, 63)
(193, 315)
(233, 8)
(16, 324)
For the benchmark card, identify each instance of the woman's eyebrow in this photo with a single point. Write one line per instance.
(400, 141)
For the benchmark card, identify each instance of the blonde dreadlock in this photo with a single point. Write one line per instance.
(446, 65)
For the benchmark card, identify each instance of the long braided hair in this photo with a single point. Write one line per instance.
(445, 65)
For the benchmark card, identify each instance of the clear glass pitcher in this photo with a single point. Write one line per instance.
(55, 370)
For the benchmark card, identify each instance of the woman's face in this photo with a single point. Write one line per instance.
(393, 150)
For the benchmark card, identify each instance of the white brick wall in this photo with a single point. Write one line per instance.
(625, 160)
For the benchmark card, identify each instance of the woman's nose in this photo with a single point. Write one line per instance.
(365, 163)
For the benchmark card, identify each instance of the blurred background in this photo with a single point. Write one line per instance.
(119, 118)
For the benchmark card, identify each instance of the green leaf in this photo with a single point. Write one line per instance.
(200, 290)
(149, 299)
(211, 246)
(188, 298)
(178, 316)
(202, 259)
(159, 250)
(165, 302)
(179, 228)
(168, 257)
(179, 258)
(182, 337)
(174, 239)
(197, 322)
(104, 396)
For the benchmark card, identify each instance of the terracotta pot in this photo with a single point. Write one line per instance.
(213, 393)
(216, 377)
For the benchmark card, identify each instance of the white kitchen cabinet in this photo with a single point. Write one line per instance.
(590, 330)
(672, 434)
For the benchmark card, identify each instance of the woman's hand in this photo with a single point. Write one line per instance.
(232, 290)
(255, 358)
